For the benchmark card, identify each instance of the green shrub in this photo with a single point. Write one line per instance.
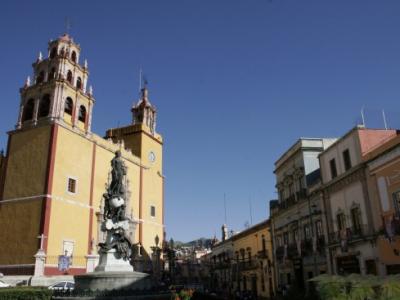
(356, 287)
(24, 293)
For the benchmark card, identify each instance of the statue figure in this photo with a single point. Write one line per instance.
(115, 222)
(118, 172)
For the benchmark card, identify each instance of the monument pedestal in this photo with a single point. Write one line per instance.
(113, 273)
(110, 263)
(107, 281)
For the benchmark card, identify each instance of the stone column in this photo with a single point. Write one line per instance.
(36, 111)
(40, 260)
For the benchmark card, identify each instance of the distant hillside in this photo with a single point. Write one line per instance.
(201, 242)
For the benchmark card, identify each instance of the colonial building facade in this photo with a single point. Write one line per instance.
(383, 178)
(349, 203)
(243, 262)
(55, 170)
(297, 222)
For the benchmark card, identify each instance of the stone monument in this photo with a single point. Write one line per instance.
(115, 270)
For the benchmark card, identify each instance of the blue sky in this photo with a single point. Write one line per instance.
(235, 82)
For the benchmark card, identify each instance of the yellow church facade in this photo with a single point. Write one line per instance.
(55, 170)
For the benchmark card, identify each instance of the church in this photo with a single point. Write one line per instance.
(55, 170)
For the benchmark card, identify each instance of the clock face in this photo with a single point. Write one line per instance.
(152, 156)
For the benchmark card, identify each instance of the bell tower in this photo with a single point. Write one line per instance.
(144, 113)
(58, 89)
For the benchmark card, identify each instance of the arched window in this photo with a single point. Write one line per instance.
(28, 110)
(40, 77)
(44, 106)
(69, 76)
(53, 52)
(68, 107)
(79, 83)
(82, 114)
(73, 56)
(62, 52)
(52, 74)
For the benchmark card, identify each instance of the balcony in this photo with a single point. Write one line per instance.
(221, 265)
(292, 251)
(302, 194)
(280, 252)
(351, 234)
(307, 247)
(248, 265)
(263, 254)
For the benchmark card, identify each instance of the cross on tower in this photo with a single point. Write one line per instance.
(67, 24)
(42, 237)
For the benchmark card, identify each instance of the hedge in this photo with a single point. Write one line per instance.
(24, 293)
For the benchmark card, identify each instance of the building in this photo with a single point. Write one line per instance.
(220, 263)
(55, 170)
(383, 179)
(297, 222)
(243, 262)
(253, 268)
(348, 201)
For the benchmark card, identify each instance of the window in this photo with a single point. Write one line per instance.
(40, 77)
(264, 247)
(28, 110)
(72, 185)
(53, 52)
(332, 164)
(281, 195)
(68, 106)
(296, 235)
(318, 228)
(73, 56)
(82, 114)
(44, 106)
(52, 73)
(346, 159)
(69, 76)
(152, 211)
(341, 221)
(300, 181)
(356, 219)
(79, 83)
(396, 203)
(286, 238)
(307, 232)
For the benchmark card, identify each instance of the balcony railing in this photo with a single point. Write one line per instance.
(351, 234)
(221, 265)
(262, 254)
(292, 251)
(302, 194)
(248, 265)
(280, 252)
(292, 199)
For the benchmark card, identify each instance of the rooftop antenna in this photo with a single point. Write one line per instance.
(251, 211)
(225, 208)
(140, 79)
(384, 119)
(362, 116)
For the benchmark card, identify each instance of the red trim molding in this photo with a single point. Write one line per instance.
(3, 174)
(52, 271)
(90, 235)
(46, 209)
(141, 206)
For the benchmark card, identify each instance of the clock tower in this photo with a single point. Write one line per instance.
(144, 142)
